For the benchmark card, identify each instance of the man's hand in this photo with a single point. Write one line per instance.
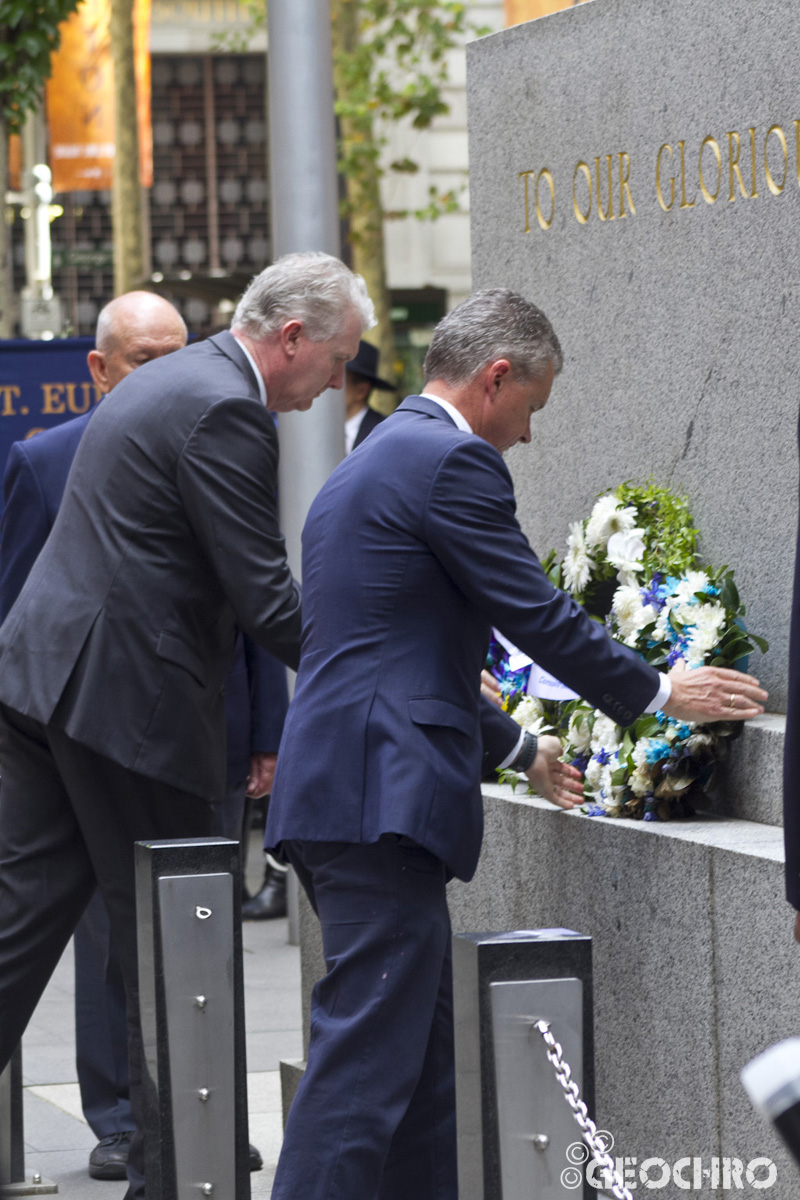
(262, 773)
(709, 694)
(555, 781)
(491, 688)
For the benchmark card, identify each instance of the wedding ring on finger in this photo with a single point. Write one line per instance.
(733, 700)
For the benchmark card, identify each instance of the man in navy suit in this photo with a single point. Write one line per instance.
(131, 330)
(411, 552)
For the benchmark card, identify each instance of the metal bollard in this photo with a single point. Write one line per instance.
(13, 1180)
(514, 1124)
(191, 995)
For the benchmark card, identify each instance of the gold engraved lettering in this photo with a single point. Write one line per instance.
(733, 165)
(684, 202)
(545, 223)
(659, 193)
(708, 196)
(608, 215)
(583, 217)
(624, 180)
(9, 392)
(526, 176)
(52, 404)
(776, 188)
(752, 132)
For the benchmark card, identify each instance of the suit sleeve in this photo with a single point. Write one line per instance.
(471, 526)
(500, 735)
(269, 698)
(24, 527)
(227, 475)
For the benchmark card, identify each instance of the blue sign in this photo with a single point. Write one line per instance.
(42, 384)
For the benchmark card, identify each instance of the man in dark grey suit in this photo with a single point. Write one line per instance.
(113, 658)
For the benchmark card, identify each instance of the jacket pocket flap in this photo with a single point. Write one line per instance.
(176, 651)
(430, 710)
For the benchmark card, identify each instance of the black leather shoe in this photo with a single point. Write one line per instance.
(270, 901)
(109, 1158)
(256, 1161)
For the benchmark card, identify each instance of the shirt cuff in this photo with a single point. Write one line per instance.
(509, 758)
(662, 695)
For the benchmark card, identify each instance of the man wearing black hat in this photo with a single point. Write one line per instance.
(360, 379)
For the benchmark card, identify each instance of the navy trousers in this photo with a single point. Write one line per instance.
(374, 1116)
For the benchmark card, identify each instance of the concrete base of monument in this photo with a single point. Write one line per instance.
(695, 966)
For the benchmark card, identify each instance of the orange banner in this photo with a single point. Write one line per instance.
(80, 99)
(141, 51)
(14, 162)
(517, 11)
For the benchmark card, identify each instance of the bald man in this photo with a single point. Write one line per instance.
(131, 330)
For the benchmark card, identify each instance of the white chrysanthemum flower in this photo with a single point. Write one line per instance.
(610, 793)
(578, 733)
(640, 781)
(593, 774)
(693, 581)
(605, 735)
(631, 614)
(577, 564)
(661, 631)
(608, 517)
(529, 709)
(624, 551)
(640, 752)
(709, 617)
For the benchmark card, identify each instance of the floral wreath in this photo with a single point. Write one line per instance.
(633, 564)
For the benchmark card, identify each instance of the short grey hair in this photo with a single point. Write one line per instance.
(491, 324)
(311, 287)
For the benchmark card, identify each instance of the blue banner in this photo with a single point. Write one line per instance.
(42, 384)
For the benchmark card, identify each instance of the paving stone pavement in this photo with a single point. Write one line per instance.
(57, 1139)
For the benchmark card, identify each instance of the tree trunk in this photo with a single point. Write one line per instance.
(6, 295)
(364, 200)
(127, 195)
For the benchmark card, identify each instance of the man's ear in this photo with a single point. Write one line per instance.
(494, 373)
(290, 335)
(96, 362)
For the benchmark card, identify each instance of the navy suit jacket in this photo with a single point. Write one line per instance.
(411, 552)
(256, 696)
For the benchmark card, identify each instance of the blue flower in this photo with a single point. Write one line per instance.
(676, 652)
(580, 762)
(595, 810)
(603, 756)
(650, 816)
(657, 749)
(655, 594)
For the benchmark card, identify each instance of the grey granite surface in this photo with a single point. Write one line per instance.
(694, 967)
(679, 327)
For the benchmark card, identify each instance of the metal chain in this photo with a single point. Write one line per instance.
(587, 1126)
